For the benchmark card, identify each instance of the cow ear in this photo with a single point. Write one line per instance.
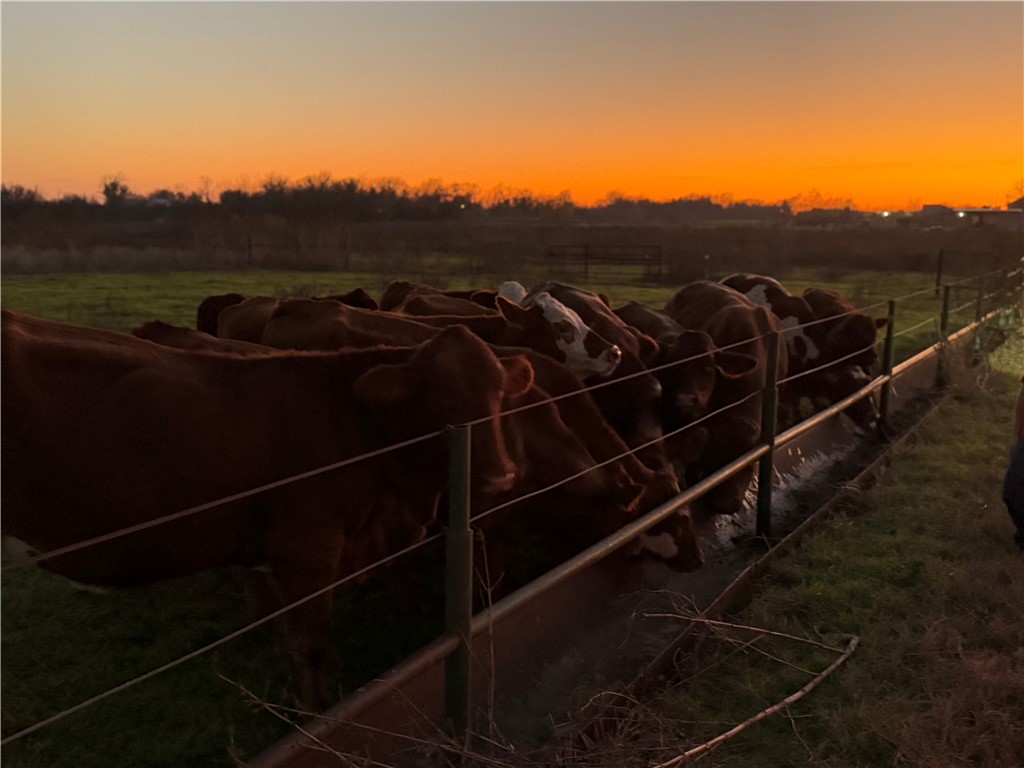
(881, 322)
(734, 365)
(386, 385)
(518, 375)
(485, 298)
(509, 309)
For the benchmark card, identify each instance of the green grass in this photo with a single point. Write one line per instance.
(62, 645)
(927, 575)
(121, 301)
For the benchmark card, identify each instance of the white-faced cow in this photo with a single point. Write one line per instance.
(630, 403)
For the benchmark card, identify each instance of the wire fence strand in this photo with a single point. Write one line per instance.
(49, 555)
(217, 643)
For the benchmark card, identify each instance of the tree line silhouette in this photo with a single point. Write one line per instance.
(322, 198)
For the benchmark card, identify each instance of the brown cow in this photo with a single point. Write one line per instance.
(850, 337)
(734, 322)
(357, 297)
(102, 431)
(580, 412)
(397, 292)
(439, 304)
(817, 348)
(185, 338)
(246, 320)
(687, 365)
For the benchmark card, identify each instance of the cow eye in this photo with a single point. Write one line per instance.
(565, 330)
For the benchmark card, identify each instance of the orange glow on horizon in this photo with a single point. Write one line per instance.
(760, 102)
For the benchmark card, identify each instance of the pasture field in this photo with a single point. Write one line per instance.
(61, 645)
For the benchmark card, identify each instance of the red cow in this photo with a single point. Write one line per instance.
(208, 314)
(816, 349)
(687, 364)
(185, 338)
(103, 431)
(803, 339)
(397, 292)
(736, 323)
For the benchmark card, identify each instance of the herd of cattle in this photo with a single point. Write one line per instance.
(103, 431)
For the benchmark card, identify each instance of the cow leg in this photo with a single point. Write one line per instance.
(305, 631)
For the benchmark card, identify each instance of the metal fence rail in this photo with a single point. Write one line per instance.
(414, 666)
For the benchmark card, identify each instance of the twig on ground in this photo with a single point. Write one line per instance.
(791, 699)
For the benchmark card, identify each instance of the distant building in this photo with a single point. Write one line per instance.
(832, 218)
(937, 216)
(1010, 219)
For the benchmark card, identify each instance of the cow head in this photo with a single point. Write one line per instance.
(556, 331)
(854, 334)
(674, 541)
(839, 382)
(454, 379)
(689, 367)
(547, 451)
(210, 308)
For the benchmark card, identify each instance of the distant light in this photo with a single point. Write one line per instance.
(885, 214)
(462, 206)
(961, 214)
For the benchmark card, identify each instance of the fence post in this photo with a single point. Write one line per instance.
(981, 295)
(248, 250)
(1002, 302)
(889, 355)
(938, 273)
(586, 262)
(978, 306)
(940, 374)
(458, 581)
(766, 465)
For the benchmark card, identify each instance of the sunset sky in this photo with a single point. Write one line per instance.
(890, 105)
